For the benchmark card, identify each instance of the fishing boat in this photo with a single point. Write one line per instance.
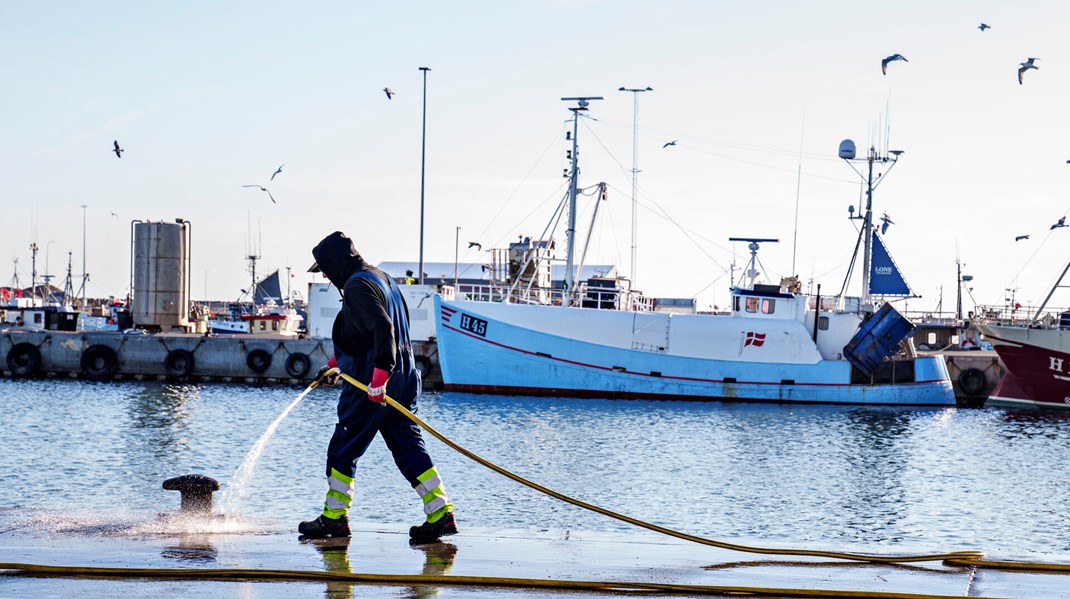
(1037, 357)
(776, 344)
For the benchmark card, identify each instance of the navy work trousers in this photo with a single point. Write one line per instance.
(359, 418)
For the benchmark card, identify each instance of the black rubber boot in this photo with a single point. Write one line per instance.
(429, 532)
(325, 528)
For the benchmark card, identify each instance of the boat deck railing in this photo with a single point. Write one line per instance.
(584, 296)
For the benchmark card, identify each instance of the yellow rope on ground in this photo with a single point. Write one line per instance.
(1016, 566)
(954, 555)
(247, 574)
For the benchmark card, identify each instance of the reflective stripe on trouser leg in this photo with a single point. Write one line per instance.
(339, 495)
(433, 494)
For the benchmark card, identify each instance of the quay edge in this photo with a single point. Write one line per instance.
(108, 356)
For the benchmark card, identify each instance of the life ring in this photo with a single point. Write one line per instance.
(99, 362)
(179, 362)
(971, 381)
(968, 343)
(258, 360)
(24, 359)
(297, 365)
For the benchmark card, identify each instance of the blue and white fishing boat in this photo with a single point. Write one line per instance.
(777, 344)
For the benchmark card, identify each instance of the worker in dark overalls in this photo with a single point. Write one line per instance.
(371, 343)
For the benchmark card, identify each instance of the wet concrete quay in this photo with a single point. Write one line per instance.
(504, 557)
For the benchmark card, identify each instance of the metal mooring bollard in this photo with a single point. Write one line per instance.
(196, 490)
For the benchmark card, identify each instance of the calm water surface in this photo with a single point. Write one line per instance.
(817, 476)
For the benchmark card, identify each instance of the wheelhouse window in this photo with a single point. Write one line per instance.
(752, 304)
(768, 306)
(823, 323)
(736, 303)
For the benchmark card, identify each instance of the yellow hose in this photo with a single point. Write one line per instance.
(954, 555)
(245, 574)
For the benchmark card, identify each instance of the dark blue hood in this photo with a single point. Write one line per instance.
(337, 257)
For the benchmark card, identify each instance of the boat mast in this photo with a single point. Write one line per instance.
(570, 234)
(847, 153)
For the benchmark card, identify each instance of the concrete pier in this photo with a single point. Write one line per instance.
(165, 356)
(108, 356)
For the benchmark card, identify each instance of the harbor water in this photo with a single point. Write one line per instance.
(78, 455)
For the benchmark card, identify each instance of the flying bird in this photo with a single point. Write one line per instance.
(983, 26)
(1025, 66)
(885, 221)
(1021, 237)
(1061, 223)
(265, 190)
(277, 171)
(118, 151)
(671, 143)
(113, 214)
(389, 93)
(893, 57)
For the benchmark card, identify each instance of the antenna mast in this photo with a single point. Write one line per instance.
(752, 245)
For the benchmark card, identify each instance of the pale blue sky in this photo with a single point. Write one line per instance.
(206, 97)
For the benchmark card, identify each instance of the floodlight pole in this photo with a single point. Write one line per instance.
(85, 275)
(423, 160)
(635, 173)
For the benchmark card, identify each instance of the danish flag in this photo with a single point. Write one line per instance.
(755, 339)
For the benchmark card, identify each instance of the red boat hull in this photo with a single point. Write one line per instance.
(1038, 367)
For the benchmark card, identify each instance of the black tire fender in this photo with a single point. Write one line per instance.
(971, 381)
(258, 360)
(423, 364)
(24, 359)
(99, 362)
(298, 364)
(179, 362)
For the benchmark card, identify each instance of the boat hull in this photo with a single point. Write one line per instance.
(482, 354)
(1038, 366)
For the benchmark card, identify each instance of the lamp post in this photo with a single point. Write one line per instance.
(635, 91)
(423, 160)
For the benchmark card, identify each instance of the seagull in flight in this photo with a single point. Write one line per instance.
(671, 143)
(475, 244)
(389, 93)
(984, 26)
(1021, 237)
(893, 57)
(885, 222)
(118, 151)
(113, 214)
(1025, 66)
(277, 171)
(1061, 223)
(265, 190)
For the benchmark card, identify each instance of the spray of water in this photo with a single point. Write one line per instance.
(234, 492)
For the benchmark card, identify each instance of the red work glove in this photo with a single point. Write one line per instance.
(377, 388)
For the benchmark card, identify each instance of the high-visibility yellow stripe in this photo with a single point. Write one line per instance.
(426, 475)
(346, 479)
(428, 485)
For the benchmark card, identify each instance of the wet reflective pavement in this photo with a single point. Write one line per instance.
(48, 539)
